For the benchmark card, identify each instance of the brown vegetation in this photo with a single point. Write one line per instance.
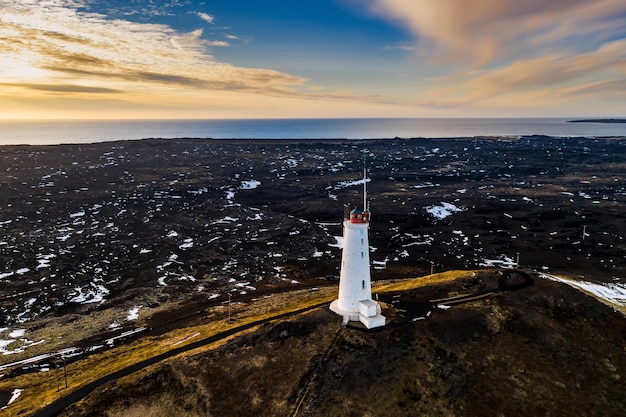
(542, 350)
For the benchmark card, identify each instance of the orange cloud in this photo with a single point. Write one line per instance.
(480, 32)
(516, 55)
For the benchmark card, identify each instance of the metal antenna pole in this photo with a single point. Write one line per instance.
(364, 189)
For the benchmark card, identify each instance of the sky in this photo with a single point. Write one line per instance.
(173, 59)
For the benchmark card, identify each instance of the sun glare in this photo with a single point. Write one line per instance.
(19, 68)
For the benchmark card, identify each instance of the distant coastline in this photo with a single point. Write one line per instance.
(598, 121)
(54, 132)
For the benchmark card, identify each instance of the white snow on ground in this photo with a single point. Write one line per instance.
(44, 260)
(426, 185)
(112, 340)
(22, 271)
(14, 396)
(380, 264)
(443, 211)
(338, 243)
(172, 233)
(613, 294)
(6, 275)
(427, 240)
(133, 313)
(93, 294)
(199, 191)
(77, 214)
(225, 220)
(188, 243)
(344, 184)
(21, 342)
(503, 262)
(17, 333)
(249, 185)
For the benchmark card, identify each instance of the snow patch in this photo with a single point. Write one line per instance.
(338, 242)
(249, 185)
(14, 396)
(611, 293)
(503, 262)
(443, 211)
(133, 313)
(93, 294)
(187, 243)
(344, 184)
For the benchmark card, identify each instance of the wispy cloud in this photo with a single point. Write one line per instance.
(488, 31)
(65, 88)
(206, 17)
(401, 47)
(42, 44)
(513, 53)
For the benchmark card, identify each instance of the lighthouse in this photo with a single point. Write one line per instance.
(355, 302)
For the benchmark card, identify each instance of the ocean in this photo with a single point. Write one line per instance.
(51, 132)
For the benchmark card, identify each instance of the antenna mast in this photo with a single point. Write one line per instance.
(364, 190)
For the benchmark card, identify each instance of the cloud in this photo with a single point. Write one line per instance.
(400, 47)
(41, 46)
(64, 88)
(541, 81)
(206, 17)
(494, 31)
(67, 61)
(495, 54)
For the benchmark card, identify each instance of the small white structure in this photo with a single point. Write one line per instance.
(355, 302)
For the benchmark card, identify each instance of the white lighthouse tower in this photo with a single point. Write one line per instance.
(355, 289)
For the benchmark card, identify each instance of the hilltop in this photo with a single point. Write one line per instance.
(540, 350)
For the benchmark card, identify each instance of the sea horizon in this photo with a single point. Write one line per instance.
(68, 131)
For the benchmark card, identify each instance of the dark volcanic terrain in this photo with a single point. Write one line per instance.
(138, 224)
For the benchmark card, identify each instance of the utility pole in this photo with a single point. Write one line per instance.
(432, 267)
(56, 374)
(56, 371)
(64, 370)
(517, 260)
(584, 232)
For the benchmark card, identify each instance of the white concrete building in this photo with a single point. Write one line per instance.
(355, 302)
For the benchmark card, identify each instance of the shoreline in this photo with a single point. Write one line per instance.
(606, 121)
(503, 138)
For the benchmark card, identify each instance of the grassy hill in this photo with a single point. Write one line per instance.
(543, 350)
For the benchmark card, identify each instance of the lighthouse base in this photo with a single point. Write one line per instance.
(368, 313)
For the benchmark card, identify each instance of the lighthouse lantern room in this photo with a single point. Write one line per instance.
(355, 302)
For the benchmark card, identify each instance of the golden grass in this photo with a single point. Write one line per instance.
(412, 283)
(40, 389)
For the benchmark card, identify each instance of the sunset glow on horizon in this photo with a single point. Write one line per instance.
(82, 59)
